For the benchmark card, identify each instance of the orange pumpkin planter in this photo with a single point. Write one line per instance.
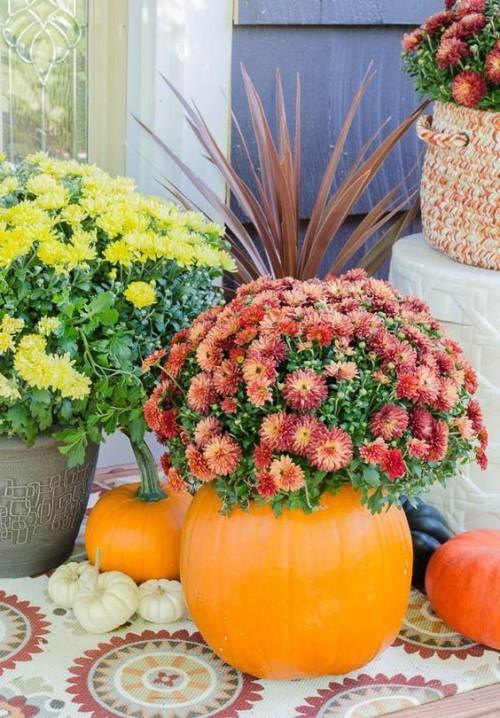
(463, 585)
(137, 527)
(300, 595)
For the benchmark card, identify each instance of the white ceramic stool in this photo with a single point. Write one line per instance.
(466, 300)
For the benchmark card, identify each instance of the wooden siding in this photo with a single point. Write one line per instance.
(330, 43)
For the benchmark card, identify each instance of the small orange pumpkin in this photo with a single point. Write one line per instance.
(300, 595)
(140, 538)
(463, 585)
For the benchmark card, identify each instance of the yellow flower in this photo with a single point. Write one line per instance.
(14, 243)
(8, 389)
(53, 200)
(35, 158)
(49, 371)
(48, 325)
(141, 294)
(12, 325)
(41, 184)
(8, 185)
(73, 214)
(6, 342)
(118, 253)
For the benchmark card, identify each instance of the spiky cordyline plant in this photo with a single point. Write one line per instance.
(275, 245)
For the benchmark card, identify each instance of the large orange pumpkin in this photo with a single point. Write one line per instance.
(139, 537)
(463, 585)
(299, 595)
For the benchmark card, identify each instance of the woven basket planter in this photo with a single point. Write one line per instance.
(460, 188)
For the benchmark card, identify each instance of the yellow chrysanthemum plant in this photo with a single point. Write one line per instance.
(93, 277)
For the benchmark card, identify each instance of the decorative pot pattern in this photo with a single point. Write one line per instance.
(42, 504)
(460, 191)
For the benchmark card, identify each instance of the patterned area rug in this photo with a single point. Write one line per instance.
(49, 666)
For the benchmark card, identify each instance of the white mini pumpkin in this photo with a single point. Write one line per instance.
(66, 581)
(106, 602)
(161, 601)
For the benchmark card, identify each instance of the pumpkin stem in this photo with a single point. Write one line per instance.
(150, 488)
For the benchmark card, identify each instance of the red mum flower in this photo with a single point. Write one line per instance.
(237, 354)
(492, 65)
(331, 450)
(451, 51)
(428, 384)
(422, 424)
(470, 24)
(198, 465)
(393, 464)
(206, 429)
(438, 443)
(266, 486)
(302, 434)
(176, 483)
(223, 455)
(229, 406)
(471, 383)
(287, 475)
(390, 422)
(471, 6)
(342, 370)
(407, 386)
(269, 348)
(481, 458)
(418, 448)
(373, 452)
(176, 358)
(152, 414)
(200, 393)
(464, 427)
(438, 22)
(448, 395)
(305, 389)
(165, 462)
(449, 4)
(168, 425)
(226, 378)
(469, 88)
(258, 369)
(475, 414)
(412, 40)
(208, 355)
(259, 392)
(153, 358)
(262, 456)
(245, 336)
(272, 429)
(483, 437)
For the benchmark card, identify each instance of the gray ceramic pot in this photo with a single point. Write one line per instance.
(42, 504)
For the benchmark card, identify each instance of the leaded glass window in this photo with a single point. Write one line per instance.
(43, 78)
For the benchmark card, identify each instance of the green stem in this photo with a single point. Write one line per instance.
(150, 488)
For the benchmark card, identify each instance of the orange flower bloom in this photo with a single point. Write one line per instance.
(305, 389)
(222, 454)
(198, 465)
(200, 394)
(286, 474)
(206, 429)
(273, 428)
(303, 433)
(390, 422)
(176, 483)
(332, 450)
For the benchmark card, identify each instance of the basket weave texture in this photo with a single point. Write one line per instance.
(460, 189)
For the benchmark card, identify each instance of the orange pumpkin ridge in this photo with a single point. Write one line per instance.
(463, 585)
(300, 595)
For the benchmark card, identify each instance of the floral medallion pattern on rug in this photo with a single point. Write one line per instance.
(370, 696)
(160, 673)
(22, 631)
(425, 633)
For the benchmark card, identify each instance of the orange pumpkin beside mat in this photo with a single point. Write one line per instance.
(463, 585)
(136, 536)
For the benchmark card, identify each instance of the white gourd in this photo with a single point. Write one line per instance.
(161, 601)
(66, 580)
(106, 602)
